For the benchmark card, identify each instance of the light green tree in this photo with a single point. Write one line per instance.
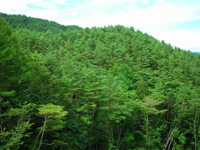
(53, 119)
(149, 108)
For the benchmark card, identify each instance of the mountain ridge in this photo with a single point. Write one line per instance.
(37, 24)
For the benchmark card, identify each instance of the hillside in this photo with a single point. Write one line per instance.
(36, 24)
(99, 88)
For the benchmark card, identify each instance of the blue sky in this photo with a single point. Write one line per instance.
(175, 21)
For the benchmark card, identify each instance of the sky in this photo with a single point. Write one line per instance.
(175, 21)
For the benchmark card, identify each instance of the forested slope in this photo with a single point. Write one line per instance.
(100, 88)
(36, 24)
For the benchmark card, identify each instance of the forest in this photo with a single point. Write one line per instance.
(100, 88)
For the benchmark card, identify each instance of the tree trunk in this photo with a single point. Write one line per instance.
(42, 132)
(147, 133)
(93, 113)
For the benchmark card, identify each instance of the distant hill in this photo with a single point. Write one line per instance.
(196, 52)
(22, 21)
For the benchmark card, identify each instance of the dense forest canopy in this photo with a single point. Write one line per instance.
(36, 24)
(109, 88)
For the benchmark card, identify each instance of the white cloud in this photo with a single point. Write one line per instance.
(68, 12)
(45, 4)
(145, 1)
(160, 13)
(44, 14)
(61, 2)
(98, 2)
(102, 3)
(18, 6)
(51, 11)
(185, 39)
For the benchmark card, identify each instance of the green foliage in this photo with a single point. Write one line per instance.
(12, 134)
(121, 89)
